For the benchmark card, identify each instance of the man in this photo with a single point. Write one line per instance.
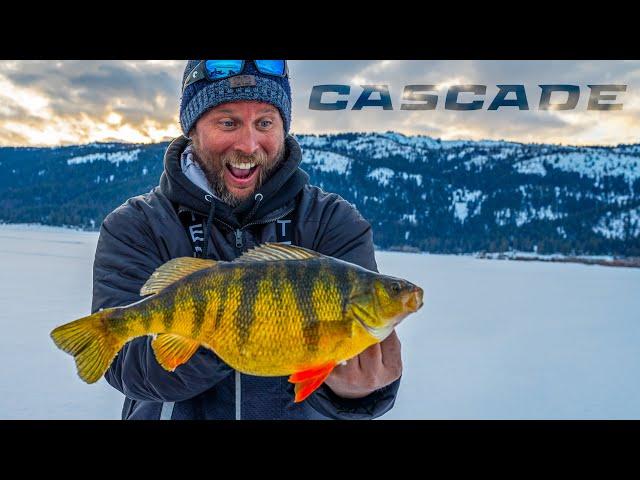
(233, 182)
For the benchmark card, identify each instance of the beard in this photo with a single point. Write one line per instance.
(213, 166)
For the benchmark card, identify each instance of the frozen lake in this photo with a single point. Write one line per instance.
(495, 339)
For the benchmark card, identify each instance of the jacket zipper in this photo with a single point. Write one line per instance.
(238, 231)
(238, 396)
(238, 234)
(270, 220)
(239, 238)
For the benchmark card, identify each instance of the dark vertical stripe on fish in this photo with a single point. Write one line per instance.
(223, 287)
(120, 324)
(163, 307)
(170, 307)
(344, 278)
(199, 287)
(302, 280)
(245, 315)
(147, 315)
(266, 274)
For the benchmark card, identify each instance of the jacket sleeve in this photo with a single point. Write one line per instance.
(347, 235)
(126, 255)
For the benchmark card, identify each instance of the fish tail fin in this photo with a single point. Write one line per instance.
(90, 342)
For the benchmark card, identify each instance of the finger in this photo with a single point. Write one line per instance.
(338, 372)
(371, 358)
(391, 350)
(350, 368)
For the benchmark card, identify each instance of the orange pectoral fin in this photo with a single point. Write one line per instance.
(307, 381)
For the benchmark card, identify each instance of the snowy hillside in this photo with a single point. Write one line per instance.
(418, 192)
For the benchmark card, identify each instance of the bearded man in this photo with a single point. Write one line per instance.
(231, 182)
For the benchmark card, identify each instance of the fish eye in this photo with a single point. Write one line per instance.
(395, 288)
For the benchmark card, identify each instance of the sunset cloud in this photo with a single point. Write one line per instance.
(73, 102)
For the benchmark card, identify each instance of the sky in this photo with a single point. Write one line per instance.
(52, 103)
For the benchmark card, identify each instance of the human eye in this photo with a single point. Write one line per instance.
(265, 123)
(226, 123)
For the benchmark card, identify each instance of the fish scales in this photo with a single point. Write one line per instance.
(278, 310)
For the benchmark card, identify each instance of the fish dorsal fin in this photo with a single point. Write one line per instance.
(172, 271)
(270, 252)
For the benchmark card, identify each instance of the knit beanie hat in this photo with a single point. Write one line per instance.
(203, 95)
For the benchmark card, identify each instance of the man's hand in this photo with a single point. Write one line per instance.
(376, 367)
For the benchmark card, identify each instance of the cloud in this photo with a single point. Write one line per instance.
(569, 127)
(61, 102)
(84, 97)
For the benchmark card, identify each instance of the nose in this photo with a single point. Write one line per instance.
(247, 142)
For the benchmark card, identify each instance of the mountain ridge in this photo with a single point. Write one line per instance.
(418, 192)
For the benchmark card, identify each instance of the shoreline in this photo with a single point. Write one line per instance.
(607, 261)
(603, 260)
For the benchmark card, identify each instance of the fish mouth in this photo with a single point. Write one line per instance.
(414, 300)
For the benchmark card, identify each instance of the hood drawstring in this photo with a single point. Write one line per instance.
(258, 198)
(207, 226)
(212, 211)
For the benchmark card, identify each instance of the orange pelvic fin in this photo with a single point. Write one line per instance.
(173, 350)
(307, 381)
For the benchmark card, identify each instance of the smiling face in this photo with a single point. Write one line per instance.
(238, 145)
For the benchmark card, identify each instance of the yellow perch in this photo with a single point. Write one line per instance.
(276, 310)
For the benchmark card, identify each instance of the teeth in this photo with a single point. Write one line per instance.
(243, 166)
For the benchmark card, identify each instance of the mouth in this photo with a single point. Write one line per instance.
(241, 175)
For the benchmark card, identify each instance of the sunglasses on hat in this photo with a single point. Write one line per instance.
(220, 69)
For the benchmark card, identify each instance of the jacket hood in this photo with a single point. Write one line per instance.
(278, 191)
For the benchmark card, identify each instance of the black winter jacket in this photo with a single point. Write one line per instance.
(146, 231)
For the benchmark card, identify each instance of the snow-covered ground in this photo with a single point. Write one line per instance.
(495, 339)
(46, 281)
